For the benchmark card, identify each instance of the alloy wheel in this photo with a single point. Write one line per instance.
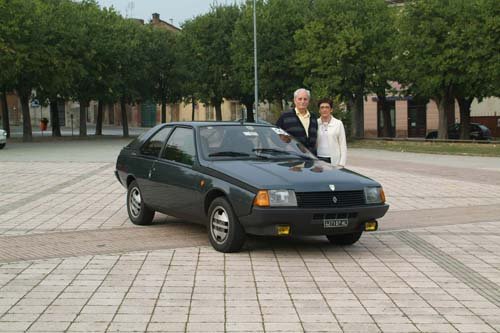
(219, 224)
(135, 202)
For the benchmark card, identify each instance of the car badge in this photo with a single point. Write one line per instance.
(332, 187)
(334, 199)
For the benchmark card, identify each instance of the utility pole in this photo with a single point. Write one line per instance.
(255, 61)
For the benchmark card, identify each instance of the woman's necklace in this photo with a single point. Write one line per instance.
(324, 124)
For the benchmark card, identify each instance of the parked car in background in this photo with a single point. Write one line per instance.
(244, 178)
(3, 138)
(476, 132)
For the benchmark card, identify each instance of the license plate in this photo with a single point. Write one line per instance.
(335, 223)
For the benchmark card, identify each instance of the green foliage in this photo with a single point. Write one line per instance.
(277, 21)
(346, 42)
(451, 44)
(349, 52)
(345, 49)
(22, 32)
(163, 64)
(207, 38)
(450, 49)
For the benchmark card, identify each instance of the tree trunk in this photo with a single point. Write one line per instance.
(218, 110)
(163, 110)
(54, 117)
(250, 116)
(350, 108)
(360, 123)
(193, 105)
(355, 104)
(386, 114)
(5, 112)
(444, 102)
(464, 104)
(98, 123)
(27, 130)
(83, 118)
(123, 107)
(280, 102)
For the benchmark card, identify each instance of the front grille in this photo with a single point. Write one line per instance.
(330, 199)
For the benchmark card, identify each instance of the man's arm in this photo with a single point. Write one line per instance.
(279, 123)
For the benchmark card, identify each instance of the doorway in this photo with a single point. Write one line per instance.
(386, 118)
(417, 118)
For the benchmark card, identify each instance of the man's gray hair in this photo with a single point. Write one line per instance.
(296, 93)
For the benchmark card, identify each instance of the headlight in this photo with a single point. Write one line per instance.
(374, 195)
(275, 198)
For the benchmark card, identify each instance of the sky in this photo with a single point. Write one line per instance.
(171, 11)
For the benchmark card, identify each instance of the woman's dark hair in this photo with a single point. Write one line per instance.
(325, 100)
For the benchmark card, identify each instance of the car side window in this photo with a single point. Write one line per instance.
(180, 146)
(154, 144)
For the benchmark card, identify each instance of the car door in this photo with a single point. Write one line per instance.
(178, 183)
(144, 162)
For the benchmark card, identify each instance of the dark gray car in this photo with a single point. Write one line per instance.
(243, 179)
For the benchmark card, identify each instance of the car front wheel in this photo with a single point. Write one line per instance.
(346, 239)
(138, 212)
(224, 230)
(2, 145)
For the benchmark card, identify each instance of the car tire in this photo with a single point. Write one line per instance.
(2, 145)
(138, 212)
(345, 239)
(224, 230)
(431, 135)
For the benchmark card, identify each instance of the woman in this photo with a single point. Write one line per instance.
(331, 135)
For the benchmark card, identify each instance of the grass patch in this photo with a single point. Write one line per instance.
(430, 147)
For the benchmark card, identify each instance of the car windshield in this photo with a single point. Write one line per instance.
(219, 142)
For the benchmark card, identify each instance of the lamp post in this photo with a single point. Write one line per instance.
(255, 61)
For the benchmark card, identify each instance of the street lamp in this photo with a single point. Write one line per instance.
(255, 61)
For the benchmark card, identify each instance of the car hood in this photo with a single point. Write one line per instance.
(298, 175)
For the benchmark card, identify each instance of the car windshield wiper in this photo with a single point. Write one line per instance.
(228, 153)
(273, 151)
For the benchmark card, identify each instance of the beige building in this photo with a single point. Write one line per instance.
(413, 119)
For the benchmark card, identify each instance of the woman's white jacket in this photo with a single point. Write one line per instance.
(336, 141)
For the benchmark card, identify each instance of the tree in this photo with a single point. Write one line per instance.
(88, 81)
(163, 67)
(7, 74)
(450, 51)
(25, 53)
(345, 41)
(277, 22)
(207, 38)
(59, 78)
(131, 82)
(109, 47)
(478, 33)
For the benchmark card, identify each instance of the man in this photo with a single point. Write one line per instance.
(298, 122)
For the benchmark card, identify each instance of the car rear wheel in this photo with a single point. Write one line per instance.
(224, 230)
(138, 212)
(346, 239)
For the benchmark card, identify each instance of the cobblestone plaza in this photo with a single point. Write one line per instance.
(70, 260)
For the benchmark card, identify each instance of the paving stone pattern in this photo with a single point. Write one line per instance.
(381, 284)
(86, 196)
(70, 261)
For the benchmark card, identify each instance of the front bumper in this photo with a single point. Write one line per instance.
(3, 139)
(309, 221)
